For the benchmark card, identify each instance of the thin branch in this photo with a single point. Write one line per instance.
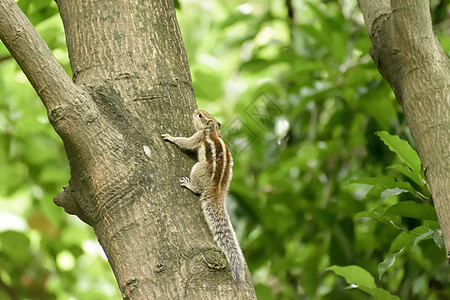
(32, 54)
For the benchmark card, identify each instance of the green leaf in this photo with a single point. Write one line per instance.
(403, 240)
(354, 275)
(379, 293)
(388, 262)
(386, 182)
(403, 150)
(414, 210)
(423, 236)
(438, 239)
(406, 239)
(360, 278)
(379, 214)
(416, 177)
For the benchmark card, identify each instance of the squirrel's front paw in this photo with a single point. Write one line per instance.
(184, 181)
(166, 137)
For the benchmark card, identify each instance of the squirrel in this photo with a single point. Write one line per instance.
(210, 177)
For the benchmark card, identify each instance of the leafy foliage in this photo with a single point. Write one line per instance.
(324, 172)
(359, 278)
(328, 198)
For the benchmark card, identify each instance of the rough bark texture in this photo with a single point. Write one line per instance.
(131, 83)
(411, 59)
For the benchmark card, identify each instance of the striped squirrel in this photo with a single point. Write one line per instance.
(210, 177)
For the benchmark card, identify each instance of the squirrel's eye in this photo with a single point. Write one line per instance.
(200, 115)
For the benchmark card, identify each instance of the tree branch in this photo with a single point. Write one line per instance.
(413, 20)
(133, 84)
(372, 10)
(37, 61)
(411, 59)
(69, 107)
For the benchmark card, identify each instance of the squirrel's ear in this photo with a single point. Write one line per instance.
(219, 123)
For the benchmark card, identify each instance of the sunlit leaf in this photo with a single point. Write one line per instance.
(416, 177)
(387, 182)
(439, 239)
(358, 277)
(354, 275)
(403, 150)
(379, 293)
(380, 215)
(388, 262)
(412, 209)
(423, 237)
(406, 239)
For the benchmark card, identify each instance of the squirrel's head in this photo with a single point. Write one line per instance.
(202, 120)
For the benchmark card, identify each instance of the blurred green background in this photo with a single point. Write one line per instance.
(328, 199)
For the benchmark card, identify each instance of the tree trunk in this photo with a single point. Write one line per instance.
(411, 59)
(131, 83)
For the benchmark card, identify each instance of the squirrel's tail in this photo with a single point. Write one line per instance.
(225, 237)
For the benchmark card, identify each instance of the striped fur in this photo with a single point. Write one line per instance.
(210, 177)
(213, 199)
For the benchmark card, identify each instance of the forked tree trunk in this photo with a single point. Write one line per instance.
(131, 84)
(411, 59)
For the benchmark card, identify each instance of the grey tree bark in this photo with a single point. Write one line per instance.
(410, 57)
(131, 82)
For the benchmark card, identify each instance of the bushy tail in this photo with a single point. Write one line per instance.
(225, 237)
